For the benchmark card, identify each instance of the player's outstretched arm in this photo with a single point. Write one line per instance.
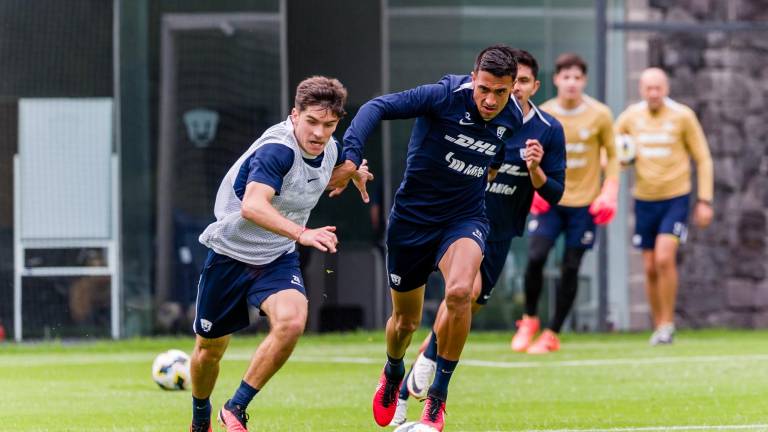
(257, 208)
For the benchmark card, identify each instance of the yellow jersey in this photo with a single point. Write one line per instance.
(665, 143)
(588, 129)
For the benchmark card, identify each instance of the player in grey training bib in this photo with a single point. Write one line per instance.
(262, 206)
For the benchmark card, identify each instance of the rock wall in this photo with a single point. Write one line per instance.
(723, 76)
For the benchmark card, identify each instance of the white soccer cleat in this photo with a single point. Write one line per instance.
(400, 413)
(421, 376)
(664, 335)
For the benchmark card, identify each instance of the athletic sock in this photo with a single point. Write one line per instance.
(201, 410)
(244, 395)
(404, 393)
(439, 387)
(394, 369)
(431, 351)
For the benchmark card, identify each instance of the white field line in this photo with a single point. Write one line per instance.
(752, 427)
(548, 364)
(27, 360)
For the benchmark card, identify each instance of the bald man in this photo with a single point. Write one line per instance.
(667, 135)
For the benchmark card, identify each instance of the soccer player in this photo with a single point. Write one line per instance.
(667, 135)
(261, 209)
(438, 218)
(534, 160)
(588, 126)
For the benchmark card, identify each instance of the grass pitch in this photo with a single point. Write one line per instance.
(709, 380)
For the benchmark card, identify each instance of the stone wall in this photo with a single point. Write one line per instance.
(723, 76)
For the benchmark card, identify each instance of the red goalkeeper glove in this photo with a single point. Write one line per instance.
(539, 205)
(603, 208)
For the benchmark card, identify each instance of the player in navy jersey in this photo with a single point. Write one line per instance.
(534, 160)
(438, 218)
(261, 209)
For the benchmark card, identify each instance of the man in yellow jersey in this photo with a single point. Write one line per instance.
(588, 126)
(666, 135)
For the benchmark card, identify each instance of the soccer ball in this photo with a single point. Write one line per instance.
(170, 370)
(626, 149)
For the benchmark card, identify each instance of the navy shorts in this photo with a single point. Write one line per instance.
(652, 218)
(576, 222)
(493, 264)
(227, 286)
(414, 251)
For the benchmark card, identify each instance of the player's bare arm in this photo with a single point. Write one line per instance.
(257, 208)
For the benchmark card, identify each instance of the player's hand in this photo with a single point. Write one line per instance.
(539, 205)
(703, 214)
(534, 152)
(323, 239)
(361, 177)
(603, 208)
(340, 178)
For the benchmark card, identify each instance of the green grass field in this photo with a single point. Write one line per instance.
(709, 380)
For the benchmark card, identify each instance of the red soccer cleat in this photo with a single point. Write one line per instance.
(546, 343)
(434, 413)
(385, 400)
(233, 418)
(526, 329)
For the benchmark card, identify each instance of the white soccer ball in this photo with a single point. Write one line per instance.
(626, 149)
(170, 370)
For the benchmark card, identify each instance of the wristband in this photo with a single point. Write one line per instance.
(703, 201)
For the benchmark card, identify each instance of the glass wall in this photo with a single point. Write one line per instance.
(432, 38)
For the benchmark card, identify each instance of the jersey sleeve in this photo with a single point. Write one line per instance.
(339, 149)
(553, 165)
(269, 165)
(608, 142)
(416, 102)
(696, 143)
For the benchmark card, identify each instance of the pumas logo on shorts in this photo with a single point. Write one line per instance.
(395, 279)
(532, 225)
(296, 280)
(587, 237)
(477, 234)
(681, 231)
(206, 325)
(637, 240)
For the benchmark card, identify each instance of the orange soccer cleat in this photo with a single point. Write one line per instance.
(546, 343)
(526, 330)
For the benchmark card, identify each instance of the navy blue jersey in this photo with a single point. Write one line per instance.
(449, 153)
(508, 198)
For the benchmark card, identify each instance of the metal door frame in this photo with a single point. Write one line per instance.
(171, 23)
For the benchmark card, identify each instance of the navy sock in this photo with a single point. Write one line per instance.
(201, 410)
(404, 393)
(395, 368)
(431, 351)
(244, 394)
(439, 387)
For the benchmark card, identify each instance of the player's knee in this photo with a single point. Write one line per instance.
(538, 251)
(406, 323)
(289, 328)
(572, 260)
(664, 263)
(209, 353)
(458, 295)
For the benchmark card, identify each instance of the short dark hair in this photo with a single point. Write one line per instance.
(569, 60)
(497, 60)
(523, 57)
(326, 92)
